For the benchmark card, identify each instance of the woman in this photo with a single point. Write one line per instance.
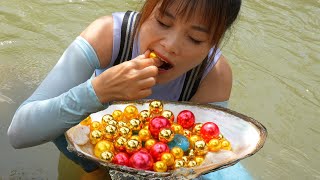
(185, 36)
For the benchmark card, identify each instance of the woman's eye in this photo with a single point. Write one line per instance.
(195, 41)
(162, 24)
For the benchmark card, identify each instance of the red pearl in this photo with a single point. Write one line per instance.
(186, 119)
(141, 160)
(158, 123)
(121, 159)
(158, 149)
(209, 130)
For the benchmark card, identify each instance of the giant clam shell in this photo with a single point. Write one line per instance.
(247, 136)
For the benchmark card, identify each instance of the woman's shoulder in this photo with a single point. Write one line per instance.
(217, 85)
(99, 35)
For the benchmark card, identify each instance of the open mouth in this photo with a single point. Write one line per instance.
(165, 65)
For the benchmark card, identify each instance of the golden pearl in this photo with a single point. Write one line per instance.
(95, 136)
(185, 159)
(110, 132)
(199, 160)
(177, 152)
(177, 128)
(191, 154)
(125, 132)
(193, 139)
(187, 133)
(166, 135)
(95, 125)
(106, 118)
(226, 145)
(120, 143)
(167, 158)
(102, 146)
(122, 124)
(144, 134)
(200, 148)
(135, 124)
(149, 143)
(214, 145)
(169, 115)
(178, 163)
(136, 138)
(132, 146)
(153, 55)
(107, 156)
(113, 122)
(146, 126)
(156, 107)
(192, 163)
(144, 116)
(221, 137)
(117, 115)
(87, 121)
(130, 112)
(160, 166)
(196, 129)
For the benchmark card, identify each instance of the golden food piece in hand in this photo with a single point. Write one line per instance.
(153, 55)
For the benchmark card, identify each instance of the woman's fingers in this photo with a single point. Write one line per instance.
(146, 83)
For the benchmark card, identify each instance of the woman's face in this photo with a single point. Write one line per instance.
(183, 44)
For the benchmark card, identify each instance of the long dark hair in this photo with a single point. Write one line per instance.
(218, 15)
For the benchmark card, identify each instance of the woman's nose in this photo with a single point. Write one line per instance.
(171, 43)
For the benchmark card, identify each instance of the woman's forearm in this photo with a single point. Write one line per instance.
(61, 101)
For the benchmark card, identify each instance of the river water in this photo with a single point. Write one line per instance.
(273, 49)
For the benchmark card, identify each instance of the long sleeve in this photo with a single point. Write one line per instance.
(61, 101)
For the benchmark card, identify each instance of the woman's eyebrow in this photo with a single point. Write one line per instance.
(195, 27)
(166, 13)
(200, 28)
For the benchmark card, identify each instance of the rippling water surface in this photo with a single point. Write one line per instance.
(273, 49)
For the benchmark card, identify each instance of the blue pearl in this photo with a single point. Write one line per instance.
(179, 141)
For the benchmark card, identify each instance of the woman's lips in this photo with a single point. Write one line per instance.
(165, 64)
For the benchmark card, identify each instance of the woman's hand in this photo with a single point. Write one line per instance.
(130, 80)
